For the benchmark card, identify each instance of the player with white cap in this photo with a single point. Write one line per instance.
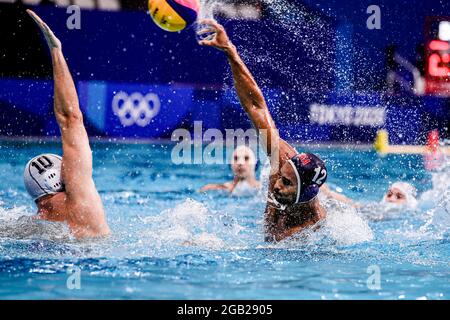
(62, 187)
(243, 164)
(401, 193)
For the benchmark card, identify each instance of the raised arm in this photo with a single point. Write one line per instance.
(77, 156)
(250, 95)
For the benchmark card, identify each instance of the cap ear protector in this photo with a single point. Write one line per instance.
(42, 176)
(311, 174)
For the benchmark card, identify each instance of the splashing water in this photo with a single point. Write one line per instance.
(191, 224)
(17, 223)
(439, 217)
(440, 179)
(168, 241)
(207, 9)
(289, 23)
(345, 225)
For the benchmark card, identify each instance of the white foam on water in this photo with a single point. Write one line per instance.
(435, 203)
(378, 211)
(207, 9)
(344, 225)
(440, 185)
(190, 223)
(439, 217)
(20, 223)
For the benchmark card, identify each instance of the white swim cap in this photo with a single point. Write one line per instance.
(408, 190)
(42, 176)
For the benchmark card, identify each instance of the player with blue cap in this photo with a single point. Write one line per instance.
(307, 167)
(295, 178)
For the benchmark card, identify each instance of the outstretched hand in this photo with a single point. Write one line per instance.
(218, 37)
(52, 41)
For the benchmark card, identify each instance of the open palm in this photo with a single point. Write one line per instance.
(218, 38)
(52, 41)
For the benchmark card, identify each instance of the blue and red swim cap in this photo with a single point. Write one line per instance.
(311, 174)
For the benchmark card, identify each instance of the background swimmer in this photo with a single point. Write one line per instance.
(401, 193)
(398, 194)
(243, 164)
(62, 187)
(399, 201)
(400, 197)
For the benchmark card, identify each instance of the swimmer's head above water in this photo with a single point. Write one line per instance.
(42, 176)
(243, 163)
(401, 193)
(300, 179)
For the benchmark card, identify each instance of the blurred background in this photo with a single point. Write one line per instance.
(328, 74)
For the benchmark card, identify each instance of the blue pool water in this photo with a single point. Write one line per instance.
(171, 242)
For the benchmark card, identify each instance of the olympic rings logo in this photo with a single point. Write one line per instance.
(136, 108)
